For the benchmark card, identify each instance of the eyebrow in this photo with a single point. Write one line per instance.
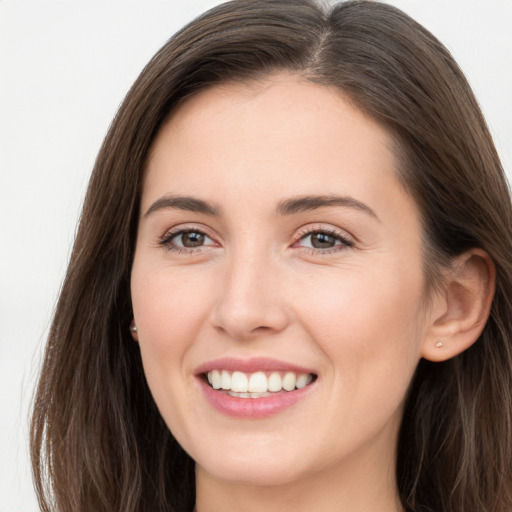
(308, 203)
(187, 203)
(285, 207)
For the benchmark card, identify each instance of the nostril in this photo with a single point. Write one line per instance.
(262, 328)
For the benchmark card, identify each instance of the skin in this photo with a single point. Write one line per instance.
(355, 313)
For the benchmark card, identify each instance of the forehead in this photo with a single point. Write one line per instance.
(284, 135)
(279, 106)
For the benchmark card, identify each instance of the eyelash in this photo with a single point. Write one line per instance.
(345, 243)
(166, 240)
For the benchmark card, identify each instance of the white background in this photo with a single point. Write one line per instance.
(64, 69)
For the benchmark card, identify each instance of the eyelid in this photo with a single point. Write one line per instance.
(343, 236)
(165, 239)
(346, 239)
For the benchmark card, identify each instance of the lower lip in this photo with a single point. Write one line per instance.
(252, 408)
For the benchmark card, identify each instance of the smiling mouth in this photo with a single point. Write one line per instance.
(258, 384)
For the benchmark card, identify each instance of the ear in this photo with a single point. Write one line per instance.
(460, 311)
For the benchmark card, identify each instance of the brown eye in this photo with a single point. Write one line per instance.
(189, 239)
(192, 239)
(323, 241)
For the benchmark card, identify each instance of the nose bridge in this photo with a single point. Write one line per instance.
(250, 300)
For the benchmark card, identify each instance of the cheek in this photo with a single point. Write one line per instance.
(368, 323)
(169, 309)
(168, 302)
(369, 332)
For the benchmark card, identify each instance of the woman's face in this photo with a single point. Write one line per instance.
(276, 247)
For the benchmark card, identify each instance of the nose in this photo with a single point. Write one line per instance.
(252, 299)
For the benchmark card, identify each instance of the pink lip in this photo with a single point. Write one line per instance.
(251, 408)
(251, 365)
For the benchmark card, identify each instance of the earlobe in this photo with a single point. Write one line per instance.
(462, 308)
(133, 331)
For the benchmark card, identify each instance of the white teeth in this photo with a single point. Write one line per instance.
(226, 380)
(303, 380)
(275, 382)
(239, 382)
(257, 384)
(289, 381)
(216, 379)
(248, 395)
(259, 395)
(239, 395)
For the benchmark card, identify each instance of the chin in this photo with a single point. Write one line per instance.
(258, 466)
(257, 473)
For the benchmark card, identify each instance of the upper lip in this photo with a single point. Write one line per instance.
(251, 365)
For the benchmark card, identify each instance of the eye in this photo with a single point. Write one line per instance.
(186, 239)
(189, 239)
(323, 241)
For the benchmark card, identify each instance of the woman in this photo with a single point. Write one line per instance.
(290, 285)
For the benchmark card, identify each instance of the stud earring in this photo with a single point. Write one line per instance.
(439, 344)
(133, 330)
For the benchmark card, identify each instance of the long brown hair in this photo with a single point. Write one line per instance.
(98, 442)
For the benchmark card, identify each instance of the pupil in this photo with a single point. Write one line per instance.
(322, 241)
(192, 239)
